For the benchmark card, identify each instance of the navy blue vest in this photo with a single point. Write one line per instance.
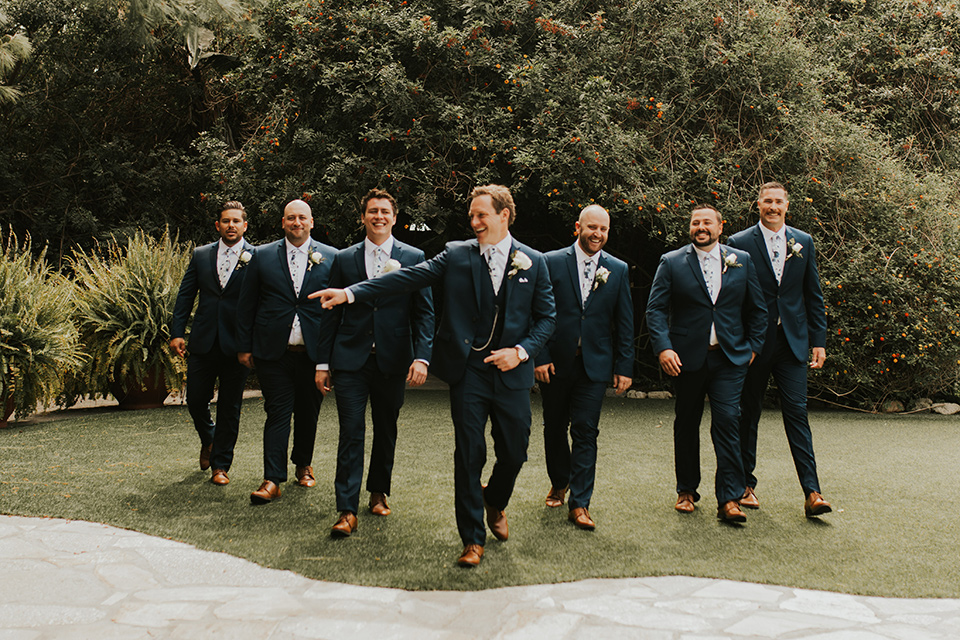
(492, 310)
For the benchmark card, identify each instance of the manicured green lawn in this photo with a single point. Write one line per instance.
(891, 480)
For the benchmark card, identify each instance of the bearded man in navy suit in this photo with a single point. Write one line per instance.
(498, 311)
(372, 349)
(592, 345)
(796, 321)
(215, 273)
(707, 323)
(279, 332)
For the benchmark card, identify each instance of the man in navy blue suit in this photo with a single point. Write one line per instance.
(796, 321)
(215, 273)
(592, 345)
(279, 331)
(707, 323)
(373, 349)
(498, 311)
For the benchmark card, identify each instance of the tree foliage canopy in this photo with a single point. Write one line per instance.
(643, 107)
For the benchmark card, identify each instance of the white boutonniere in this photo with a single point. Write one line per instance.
(730, 261)
(601, 278)
(314, 257)
(520, 262)
(392, 265)
(242, 261)
(793, 249)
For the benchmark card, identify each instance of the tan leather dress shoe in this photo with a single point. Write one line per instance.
(378, 505)
(305, 476)
(219, 477)
(749, 499)
(497, 521)
(345, 526)
(815, 505)
(472, 553)
(267, 492)
(581, 518)
(205, 451)
(730, 512)
(685, 501)
(556, 497)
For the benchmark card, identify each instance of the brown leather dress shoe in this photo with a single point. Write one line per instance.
(556, 497)
(581, 518)
(346, 525)
(730, 512)
(815, 505)
(305, 476)
(219, 477)
(497, 521)
(749, 499)
(685, 501)
(205, 451)
(472, 553)
(267, 492)
(378, 504)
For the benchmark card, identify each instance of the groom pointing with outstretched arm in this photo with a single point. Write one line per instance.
(498, 311)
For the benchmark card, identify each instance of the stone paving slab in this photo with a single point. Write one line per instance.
(70, 579)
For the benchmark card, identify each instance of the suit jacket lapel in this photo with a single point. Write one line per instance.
(601, 262)
(213, 264)
(360, 261)
(574, 275)
(762, 249)
(285, 266)
(476, 260)
(694, 262)
(507, 280)
(243, 247)
(788, 254)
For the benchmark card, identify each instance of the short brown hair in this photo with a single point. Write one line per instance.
(707, 207)
(772, 185)
(377, 194)
(234, 204)
(500, 196)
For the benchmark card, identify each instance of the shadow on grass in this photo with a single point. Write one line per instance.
(138, 470)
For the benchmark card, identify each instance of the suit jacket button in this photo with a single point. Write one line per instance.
(465, 341)
(374, 308)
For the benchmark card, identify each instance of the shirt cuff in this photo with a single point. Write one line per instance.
(323, 367)
(350, 297)
(426, 362)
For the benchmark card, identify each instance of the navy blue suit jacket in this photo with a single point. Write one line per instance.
(797, 300)
(401, 326)
(604, 328)
(680, 312)
(268, 301)
(530, 315)
(216, 315)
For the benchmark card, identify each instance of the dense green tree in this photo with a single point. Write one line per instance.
(131, 119)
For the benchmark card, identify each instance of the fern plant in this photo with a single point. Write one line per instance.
(124, 299)
(38, 341)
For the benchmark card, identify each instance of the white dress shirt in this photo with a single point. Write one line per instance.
(712, 262)
(296, 273)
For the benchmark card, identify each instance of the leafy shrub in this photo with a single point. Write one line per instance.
(38, 341)
(124, 300)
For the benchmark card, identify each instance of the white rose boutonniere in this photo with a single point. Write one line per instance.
(392, 265)
(601, 277)
(793, 249)
(520, 262)
(245, 257)
(314, 257)
(730, 261)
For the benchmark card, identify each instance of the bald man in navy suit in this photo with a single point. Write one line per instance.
(707, 323)
(498, 311)
(796, 325)
(279, 332)
(592, 346)
(215, 274)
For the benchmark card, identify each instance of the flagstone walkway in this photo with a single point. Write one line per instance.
(72, 579)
